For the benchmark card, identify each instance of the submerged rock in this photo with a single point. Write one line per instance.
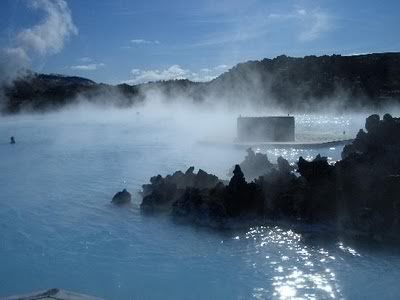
(123, 197)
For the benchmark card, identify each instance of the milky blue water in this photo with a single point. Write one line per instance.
(58, 228)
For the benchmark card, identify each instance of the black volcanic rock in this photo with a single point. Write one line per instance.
(283, 165)
(316, 169)
(123, 197)
(255, 165)
(359, 193)
(162, 192)
(213, 206)
(242, 198)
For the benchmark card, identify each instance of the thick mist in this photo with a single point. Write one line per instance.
(202, 135)
(60, 176)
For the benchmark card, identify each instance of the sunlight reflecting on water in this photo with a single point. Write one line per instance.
(348, 249)
(299, 271)
(317, 128)
(313, 120)
(293, 154)
(57, 183)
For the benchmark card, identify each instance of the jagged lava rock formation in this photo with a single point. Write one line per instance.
(161, 193)
(360, 193)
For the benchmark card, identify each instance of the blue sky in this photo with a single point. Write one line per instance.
(134, 41)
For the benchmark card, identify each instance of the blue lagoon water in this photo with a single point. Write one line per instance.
(58, 228)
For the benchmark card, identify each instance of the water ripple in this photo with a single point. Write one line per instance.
(293, 269)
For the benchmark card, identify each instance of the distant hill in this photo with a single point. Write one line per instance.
(288, 82)
(40, 92)
(297, 82)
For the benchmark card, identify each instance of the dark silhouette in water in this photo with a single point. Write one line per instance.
(161, 193)
(360, 193)
(12, 140)
(123, 197)
(255, 164)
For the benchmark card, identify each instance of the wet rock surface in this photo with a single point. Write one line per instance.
(359, 193)
(162, 192)
(121, 198)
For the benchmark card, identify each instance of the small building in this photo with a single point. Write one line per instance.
(265, 129)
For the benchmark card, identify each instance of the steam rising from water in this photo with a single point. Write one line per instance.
(58, 180)
(44, 38)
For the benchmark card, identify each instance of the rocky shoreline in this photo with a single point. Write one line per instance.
(360, 193)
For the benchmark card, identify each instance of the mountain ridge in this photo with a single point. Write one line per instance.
(287, 82)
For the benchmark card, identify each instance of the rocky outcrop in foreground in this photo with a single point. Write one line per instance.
(255, 164)
(162, 193)
(359, 193)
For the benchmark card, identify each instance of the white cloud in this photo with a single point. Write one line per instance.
(244, 30)
(302, 12)
(175, 72)
(306, 25)
(356, 53)
(141, 42)
(312, 24)
(88, 67)
(316, 23)
(85, 59)
(48, 37)
(87, 64)
(221, 68)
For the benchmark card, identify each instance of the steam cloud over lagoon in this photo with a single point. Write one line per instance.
(103, 102)
(45, 38)
(343, 83)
